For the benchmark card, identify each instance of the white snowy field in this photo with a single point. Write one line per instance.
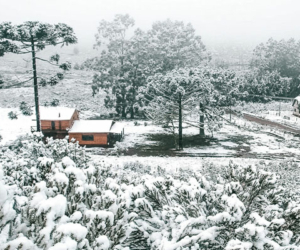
(11, 129)
(173, 164)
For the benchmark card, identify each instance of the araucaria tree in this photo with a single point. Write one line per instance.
(173, 97)
(126, 62)
(31, 37)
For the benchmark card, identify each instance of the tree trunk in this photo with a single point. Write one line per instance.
(123, 112)
(36, 89)
(202, 132)
(131, 112)
(180, 143)
(123, 108)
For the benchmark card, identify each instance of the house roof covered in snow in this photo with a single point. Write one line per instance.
(56, 113)
(117, 128)
(91, 126)
(297, 99)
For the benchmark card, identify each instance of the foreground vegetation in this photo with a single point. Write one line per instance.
(53, 197)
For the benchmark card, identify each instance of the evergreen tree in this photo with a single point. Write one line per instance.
(281, 57)
(174, 96)
(31, 37)
(173, 45)
(126, 62)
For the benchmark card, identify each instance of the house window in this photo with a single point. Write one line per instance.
(87, 137)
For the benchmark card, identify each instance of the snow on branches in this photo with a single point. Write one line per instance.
(58, 199)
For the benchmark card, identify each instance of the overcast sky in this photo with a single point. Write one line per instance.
(217, 21)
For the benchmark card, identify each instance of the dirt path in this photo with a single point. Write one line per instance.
(270, 123)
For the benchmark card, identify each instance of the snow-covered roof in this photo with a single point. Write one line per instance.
(56, 113)
(297, 98)
(117, 128)
(91, 126)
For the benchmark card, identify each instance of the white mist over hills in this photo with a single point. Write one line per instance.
(246, 22)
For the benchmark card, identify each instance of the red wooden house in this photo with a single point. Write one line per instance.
(56, 121)
(96, 132)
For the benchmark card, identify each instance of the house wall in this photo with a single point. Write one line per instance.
(74, 117)
(60, 125)
(99, 139)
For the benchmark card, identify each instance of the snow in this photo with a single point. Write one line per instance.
(66, 244)
(171, 164)
(56, 113)
(67, 162)
(91, 126)
(103, 242)
(23, 241)
(101, 214)
(76, 230)
(76, 216)
(238, 245)
(117, 128)
(285, 118)
(234, 204)
(78, 173)
(11, 129)
(297, 98)
(61, 178)
(3, 191)
(177, 224)
(57, 204)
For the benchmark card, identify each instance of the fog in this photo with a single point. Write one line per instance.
(246, 22)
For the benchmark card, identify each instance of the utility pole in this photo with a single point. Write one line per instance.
(230, 109)
(202, 132)
(180, 143)
(279, 108)
(36, 88)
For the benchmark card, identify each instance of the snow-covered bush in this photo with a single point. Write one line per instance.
(12, 115)
(120, 148)
(54, 103)
(25, 109)
(52, 198)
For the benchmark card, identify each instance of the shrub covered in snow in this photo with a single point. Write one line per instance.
(52, 197)
(12, 115)
(54, 103)
(120, 148)
(25, 109)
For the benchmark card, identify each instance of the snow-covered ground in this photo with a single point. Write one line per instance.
(230, 141)
(283, 117)
(248, 140)
(172, 164)
(11, 129)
